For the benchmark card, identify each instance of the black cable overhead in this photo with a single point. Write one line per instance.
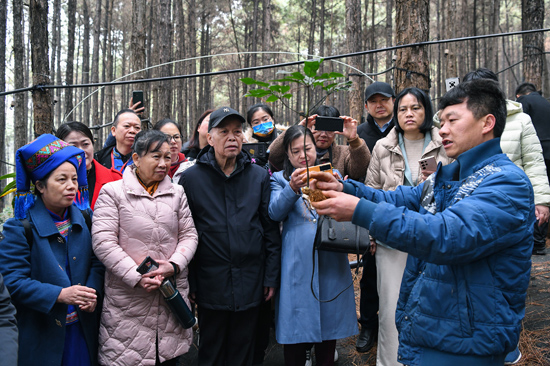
(263, 67)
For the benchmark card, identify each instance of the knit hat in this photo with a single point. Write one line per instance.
(36, 160)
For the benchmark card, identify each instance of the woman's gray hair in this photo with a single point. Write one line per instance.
(146, 139)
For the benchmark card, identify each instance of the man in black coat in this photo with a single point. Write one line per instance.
(237, 263)
(379, 99)
(538, 108)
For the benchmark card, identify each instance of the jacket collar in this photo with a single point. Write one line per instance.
(373, 124)
(207, 157)
(391, 142)
(43, 222)
(470, 161)
(132, 185)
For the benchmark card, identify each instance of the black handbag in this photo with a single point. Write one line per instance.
(342, 237)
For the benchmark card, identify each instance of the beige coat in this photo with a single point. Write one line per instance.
(387, 166)
(129, 225)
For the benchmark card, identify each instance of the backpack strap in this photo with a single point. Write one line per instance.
(88, 219)
(28, 231)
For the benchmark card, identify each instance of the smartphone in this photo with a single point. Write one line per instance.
(327, 168)
(428, 163)
(148, 265)
(137, 96)
(323, 123)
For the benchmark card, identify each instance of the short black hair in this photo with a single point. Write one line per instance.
(255, 108)
(146, 138)
(424, 100)
(166, 121)
(327, 111)
(482, 97)
(525, 88)
(68, 127)
(291, 134)
(481, 73)
(194, 142)
(121, 112)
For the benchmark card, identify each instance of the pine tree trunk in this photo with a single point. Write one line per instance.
(533, 43)
(266, 40)
(353, 37)
(95, 71)
(57, 93)
(389, 34)
(165, 30)
(137, 47)
(179, 33)
(192, 37)
(20, 115)
(56, 43)
(42, 101)
(412, 26)
(86, 63)
(69, 68)
(450, 32)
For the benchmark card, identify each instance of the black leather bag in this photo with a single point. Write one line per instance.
(342, 237)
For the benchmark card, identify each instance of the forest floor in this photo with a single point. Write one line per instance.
(534, 343)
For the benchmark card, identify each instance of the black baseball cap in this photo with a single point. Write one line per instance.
(220, 114)
(379, 87)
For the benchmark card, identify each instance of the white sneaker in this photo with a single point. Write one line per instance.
(335, 355)
(309, 362)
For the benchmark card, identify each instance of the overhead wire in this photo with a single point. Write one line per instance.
(264, 67)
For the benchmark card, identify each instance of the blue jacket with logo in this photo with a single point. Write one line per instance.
(469, 232)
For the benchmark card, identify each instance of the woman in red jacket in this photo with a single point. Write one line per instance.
(79, 135)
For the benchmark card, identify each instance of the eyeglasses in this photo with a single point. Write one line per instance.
(264, 119)
(175, 137)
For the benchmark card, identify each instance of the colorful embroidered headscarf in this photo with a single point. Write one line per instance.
(36, 160)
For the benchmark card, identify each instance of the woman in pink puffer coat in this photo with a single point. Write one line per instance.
(142, 215)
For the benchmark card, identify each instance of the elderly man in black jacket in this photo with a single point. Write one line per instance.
(237, 263)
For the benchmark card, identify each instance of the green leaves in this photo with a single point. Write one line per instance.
(280, 89)
(311, 67)
(250, 81)
(10, 187)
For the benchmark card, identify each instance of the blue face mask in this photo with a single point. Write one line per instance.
(263, 129)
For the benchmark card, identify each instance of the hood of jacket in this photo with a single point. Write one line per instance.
(513, 108)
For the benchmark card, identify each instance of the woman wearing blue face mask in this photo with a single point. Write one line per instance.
(260, 118)
(263, 129)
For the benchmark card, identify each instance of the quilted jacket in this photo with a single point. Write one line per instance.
(469, 232)
(129, 225)
(520, 142)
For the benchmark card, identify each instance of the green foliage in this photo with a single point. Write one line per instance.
(10, 187)
(281, 89)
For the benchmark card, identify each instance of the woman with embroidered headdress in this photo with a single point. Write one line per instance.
(47, 260)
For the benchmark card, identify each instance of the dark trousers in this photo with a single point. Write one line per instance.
(227, 337)
(295, 354)
(539, 235)
(265, 319)
(368, 304)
